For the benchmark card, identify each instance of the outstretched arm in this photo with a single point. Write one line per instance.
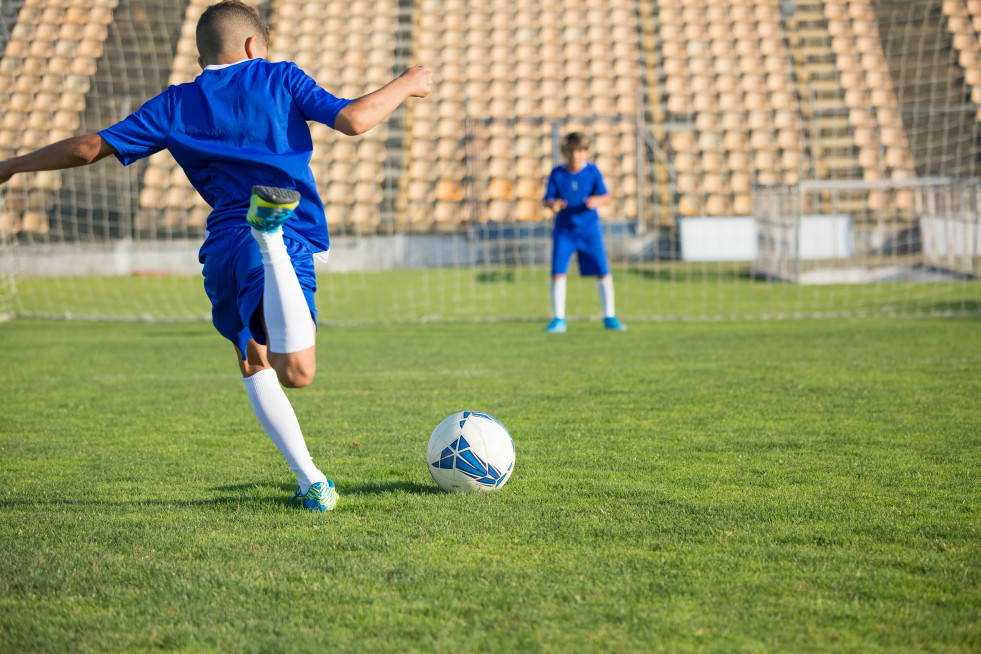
(76, 151)
(369, 110)
(594, 201)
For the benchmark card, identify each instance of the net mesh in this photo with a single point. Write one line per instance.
(850, 125)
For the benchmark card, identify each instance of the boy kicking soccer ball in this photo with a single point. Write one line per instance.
(240, 133)
(574, 192)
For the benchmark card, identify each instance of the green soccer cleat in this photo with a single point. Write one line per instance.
(320, 497)
(270, 207)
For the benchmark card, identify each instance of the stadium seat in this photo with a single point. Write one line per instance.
(720, 70)
(718, 205)
(501, 190)
(35, 222)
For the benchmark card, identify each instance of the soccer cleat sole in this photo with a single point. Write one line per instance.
(271, 206)
(276, 196)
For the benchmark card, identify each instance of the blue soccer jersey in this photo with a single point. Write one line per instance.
(234, 127)
(574, 188)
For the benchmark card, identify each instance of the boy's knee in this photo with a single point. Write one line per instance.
(296, 376)
(294, 380)
(294, 371)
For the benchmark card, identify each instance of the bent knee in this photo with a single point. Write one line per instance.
(297, 376)
(295, 370)
(295, 381)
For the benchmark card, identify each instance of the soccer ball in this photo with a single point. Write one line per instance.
(470, 451)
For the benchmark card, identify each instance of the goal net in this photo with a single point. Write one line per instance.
(766, 159)
(918, 230)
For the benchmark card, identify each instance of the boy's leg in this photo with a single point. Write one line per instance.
(289, 327)
(232, 279)
(562, 250)
(604, 286)
(558, 324)
(276, 415)
(558, 296)
(593, 261)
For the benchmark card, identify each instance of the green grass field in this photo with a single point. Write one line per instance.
(794, 486)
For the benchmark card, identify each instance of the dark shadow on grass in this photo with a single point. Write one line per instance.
(232, 488)
(690, 274)
(233, 495)
(372, 488)
(229, 495)
(967, 308)
(495, 276)
(376, 488)
(215, 501)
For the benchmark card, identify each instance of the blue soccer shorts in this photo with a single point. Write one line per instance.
(587, 243)
(234, 279)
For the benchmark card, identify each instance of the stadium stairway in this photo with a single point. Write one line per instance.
(664, 199)
(823, 105)
(832, 151)
(732, 112)
(940, 109)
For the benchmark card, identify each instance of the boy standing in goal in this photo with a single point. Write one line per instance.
(240, 133)
(574, 192)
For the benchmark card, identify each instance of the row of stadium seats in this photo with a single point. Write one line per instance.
(510, 72)
(734, 92)
(964, 19)
(726, 75)
(728, 70)
(869, 94)
(45, 72)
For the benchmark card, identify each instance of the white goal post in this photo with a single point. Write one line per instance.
(853, 231)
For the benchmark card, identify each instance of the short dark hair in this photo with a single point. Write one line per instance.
(225, 26)
(575, 141)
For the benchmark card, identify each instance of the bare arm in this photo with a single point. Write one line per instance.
(594, 201)
(369, 110)
(76, 151)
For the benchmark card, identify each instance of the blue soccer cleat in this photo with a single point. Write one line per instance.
(270, 207)
(320, 497)
(557, 326)
(614, 324)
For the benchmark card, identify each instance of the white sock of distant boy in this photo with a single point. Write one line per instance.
(558, 296)
(604, 286)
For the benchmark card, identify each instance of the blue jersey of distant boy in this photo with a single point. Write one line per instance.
(233, 127)
(574, 188)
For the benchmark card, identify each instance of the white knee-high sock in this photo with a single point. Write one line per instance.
(288, 322)
(558, 297)
(604, 286)
(276, 415)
